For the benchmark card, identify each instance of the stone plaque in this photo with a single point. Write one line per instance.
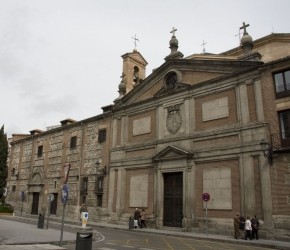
(217, 182)
(142, 126)
(215, 109)
(139, 191)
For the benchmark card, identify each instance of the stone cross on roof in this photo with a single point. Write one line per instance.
(135, 41)
(203, 46)
(173, 31)
(244, 27)
(122, 76)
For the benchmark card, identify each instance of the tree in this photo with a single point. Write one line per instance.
(3, 160)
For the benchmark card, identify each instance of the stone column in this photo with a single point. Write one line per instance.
(121, 183)
(114, 132)
(160, 122)
(159, 198)
(111, 190)
(248, 184)
(259, 101)
(123, 131)
(242, 103)
(188, 115)
(189, 203)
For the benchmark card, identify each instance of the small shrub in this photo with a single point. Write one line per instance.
(6, 208)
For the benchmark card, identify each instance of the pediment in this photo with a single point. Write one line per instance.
(164, 91)
(171, 153)
(189, 73)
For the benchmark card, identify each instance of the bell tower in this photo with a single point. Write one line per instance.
(134, 69)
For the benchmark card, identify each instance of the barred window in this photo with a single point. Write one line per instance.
(39, 151)
(99, 200)
(102, 135)
(85, 183)
(73, 142)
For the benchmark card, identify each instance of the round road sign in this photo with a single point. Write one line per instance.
(205, 197)
(50, 197)
(64, 194)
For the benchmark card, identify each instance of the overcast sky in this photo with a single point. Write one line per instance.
(62, 58)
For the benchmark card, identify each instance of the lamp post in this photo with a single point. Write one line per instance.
(99, 171)
(267, 151)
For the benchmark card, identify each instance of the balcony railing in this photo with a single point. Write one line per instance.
(279, 143)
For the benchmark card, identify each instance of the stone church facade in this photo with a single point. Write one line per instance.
(195, 125)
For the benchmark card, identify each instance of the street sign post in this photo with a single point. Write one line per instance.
(206, 197)
(64, 198)
(50, 198)
(22, 197)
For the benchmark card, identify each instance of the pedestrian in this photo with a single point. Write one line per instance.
(242, 225)
(143, 217)
(137, 215)
(248, 228)
(83, 208)
(237, 226)
(255, 227)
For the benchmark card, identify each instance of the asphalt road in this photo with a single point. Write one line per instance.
(114, 239)
(105, 238)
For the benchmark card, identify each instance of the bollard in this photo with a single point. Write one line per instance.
(84, 240)
(40, 221)
(131, 223)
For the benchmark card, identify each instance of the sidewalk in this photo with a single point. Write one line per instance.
(274, 244)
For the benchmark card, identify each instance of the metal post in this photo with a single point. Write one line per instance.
(62, 222)
(206, 215)
(21, 207)
(48, 212)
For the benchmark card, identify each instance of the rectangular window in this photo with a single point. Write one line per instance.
(84, 200)
(282, 84)
(85, 183)
(99, 185)
(39, 151)
(102, 135)
(13, 188)
(73, 142)
(99, 200)
(84, 187)
(284, 118)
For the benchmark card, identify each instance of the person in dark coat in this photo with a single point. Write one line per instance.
(242, 225)
(237, 226)
(137, 216)
(143, 217)
(255, 227)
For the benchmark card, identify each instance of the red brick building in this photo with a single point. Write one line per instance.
(195, 125)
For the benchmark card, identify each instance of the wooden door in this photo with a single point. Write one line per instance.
(173, 199)
(35, 203)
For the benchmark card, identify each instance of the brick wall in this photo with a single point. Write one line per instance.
(230, 120)
(280, 180)
(236, 196)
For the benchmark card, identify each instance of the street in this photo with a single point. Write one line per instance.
(114, 239)
(12, 231)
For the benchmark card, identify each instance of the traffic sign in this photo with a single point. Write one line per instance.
(64, 194)
(50, 197)
(22, 196)
(205, 197)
